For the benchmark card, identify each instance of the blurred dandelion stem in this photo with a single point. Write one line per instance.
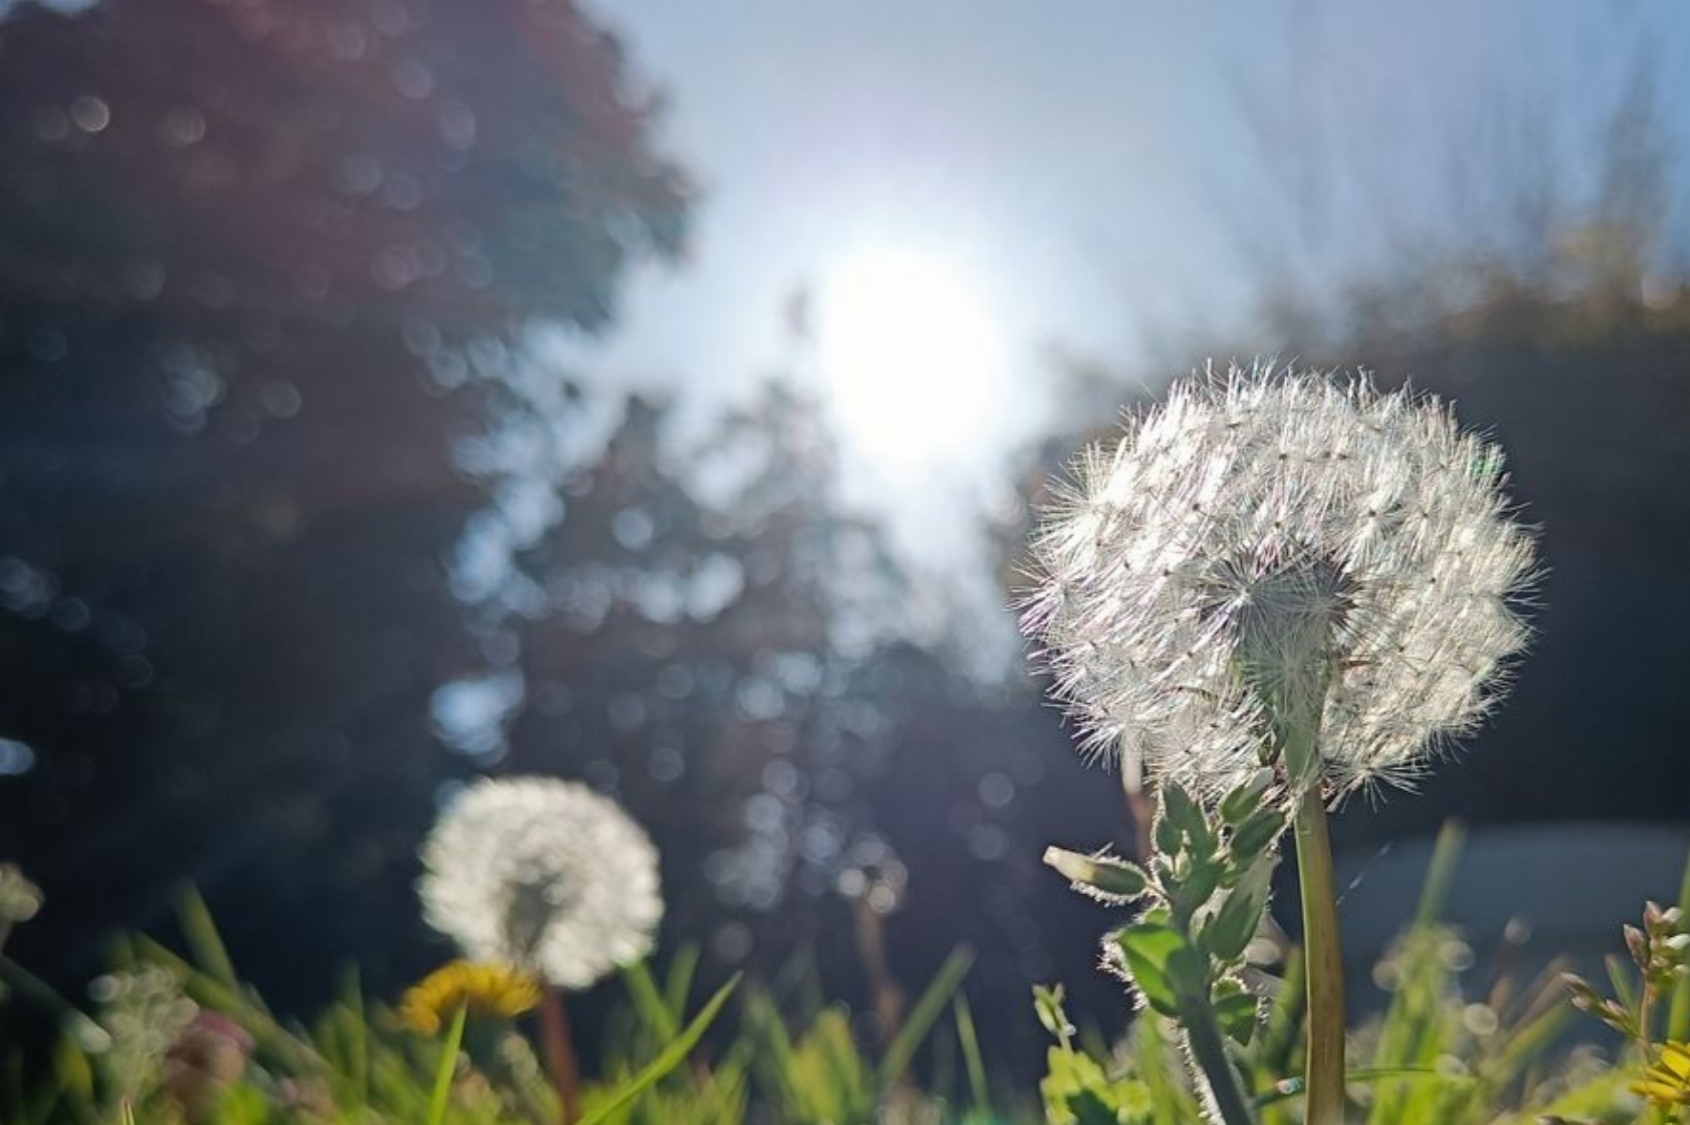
(1324, 1099)
(560, 1053)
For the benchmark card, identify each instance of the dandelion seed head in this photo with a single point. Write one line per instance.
(545, 875)
(1275, 546)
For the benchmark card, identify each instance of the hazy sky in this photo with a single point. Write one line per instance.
(959, 184)
(1081, 172)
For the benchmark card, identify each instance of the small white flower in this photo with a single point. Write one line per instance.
(1279, 549)
(542, 874)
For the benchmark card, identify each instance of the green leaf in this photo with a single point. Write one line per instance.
(1242, 801)
(1165, 833)
(1180, 810)
(1257, 831)
(1153, 954)
(670, 1057)
(1188, 972)
(1077, 1091)
(1200, 883)
(1234, 924)
(1237, 1013)
(1047, 1002)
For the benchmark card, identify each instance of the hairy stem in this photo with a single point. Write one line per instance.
(1324, 1091)
(1208, 1054)
(560, 1053)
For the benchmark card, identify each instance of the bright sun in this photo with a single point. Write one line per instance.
(912, 356)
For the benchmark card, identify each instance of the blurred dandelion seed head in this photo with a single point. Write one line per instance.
(141, 1014)
(542, 874)
(1275, 547)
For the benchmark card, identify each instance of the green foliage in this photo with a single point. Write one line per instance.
(1202, 901)
(358, 1063)
(234, 1063)
(1659, 973)
(1439, 1055)
(821, 1075)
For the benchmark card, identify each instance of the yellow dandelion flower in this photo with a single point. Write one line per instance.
(488, 988)
(1666, 1081)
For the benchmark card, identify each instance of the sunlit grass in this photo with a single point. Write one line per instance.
(1446, 1051)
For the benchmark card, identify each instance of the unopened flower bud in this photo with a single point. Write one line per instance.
(1102, 876)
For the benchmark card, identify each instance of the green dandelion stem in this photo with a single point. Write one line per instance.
(1325, 966)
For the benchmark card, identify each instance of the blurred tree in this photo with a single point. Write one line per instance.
(701, 624)
(259, 265)
(713, 634)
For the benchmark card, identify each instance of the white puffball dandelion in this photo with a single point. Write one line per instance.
(1277, 555)
(542, 874)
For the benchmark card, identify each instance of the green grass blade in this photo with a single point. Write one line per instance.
(1619, 976)
(202, 937)
(922, 1017)
(358, 1040)
(1292, 1087)
(1440, 872)
(775, 1058)
(237, 1004)
(1528, 1042)
(1277, 1040)
(671, 1057)
(978, 1090)
(653, 1009)
(448, 1065)
(1411, 1035)
(682, 968)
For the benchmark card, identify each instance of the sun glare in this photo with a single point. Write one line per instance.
(911, 354)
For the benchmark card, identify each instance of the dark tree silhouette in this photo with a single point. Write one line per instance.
(253, 260)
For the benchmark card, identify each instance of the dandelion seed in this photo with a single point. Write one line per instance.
(1278, 550)
(545, 875)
